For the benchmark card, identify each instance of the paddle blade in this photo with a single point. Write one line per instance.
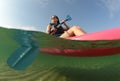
(19, 62)
(22, 57)
(68, 18)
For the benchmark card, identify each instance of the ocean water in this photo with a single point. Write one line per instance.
(48, 67)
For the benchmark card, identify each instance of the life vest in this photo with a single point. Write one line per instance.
(59, 29)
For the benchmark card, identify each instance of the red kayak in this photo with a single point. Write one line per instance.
(102, 43)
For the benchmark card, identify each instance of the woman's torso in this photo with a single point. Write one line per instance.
(60, 29)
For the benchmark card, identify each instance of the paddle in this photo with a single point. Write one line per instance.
(68, 18)
(23, 56)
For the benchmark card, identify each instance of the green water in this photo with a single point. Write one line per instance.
(56, 68)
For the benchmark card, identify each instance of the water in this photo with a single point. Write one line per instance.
(56, 68)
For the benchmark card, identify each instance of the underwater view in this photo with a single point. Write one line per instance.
(46, 67)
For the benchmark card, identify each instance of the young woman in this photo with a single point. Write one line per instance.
(63, 32)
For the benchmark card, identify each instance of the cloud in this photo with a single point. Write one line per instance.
(113, 6)
(20, 27)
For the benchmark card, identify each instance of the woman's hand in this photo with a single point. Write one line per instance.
(67, 27)
(63, 21)
(54, 30)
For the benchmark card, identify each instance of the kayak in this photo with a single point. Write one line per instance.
(26, 56)
(102, 43)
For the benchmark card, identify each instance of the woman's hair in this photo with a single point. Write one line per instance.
(58, 22)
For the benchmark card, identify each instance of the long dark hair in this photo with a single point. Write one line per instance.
(58, 22)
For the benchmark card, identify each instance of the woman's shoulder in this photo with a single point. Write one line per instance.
(49, 26)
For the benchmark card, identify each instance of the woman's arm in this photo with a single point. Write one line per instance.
(48, 29)
(67, 27)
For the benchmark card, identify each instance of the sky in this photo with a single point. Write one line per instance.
(90, 15)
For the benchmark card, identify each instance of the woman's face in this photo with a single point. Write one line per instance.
(54, 19)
